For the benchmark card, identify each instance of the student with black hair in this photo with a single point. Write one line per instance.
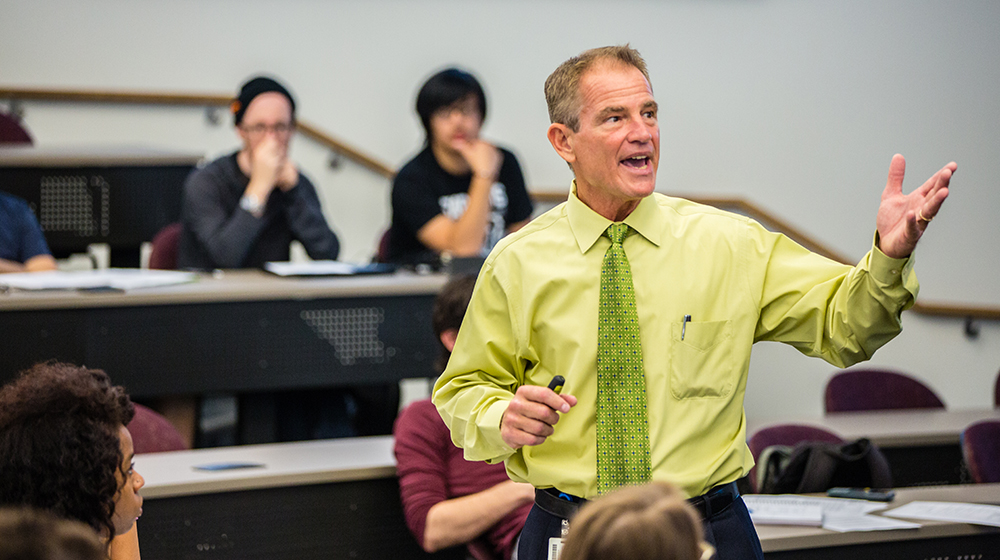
(460, 194)
(448, 501)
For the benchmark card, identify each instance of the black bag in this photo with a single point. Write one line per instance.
(815, 466)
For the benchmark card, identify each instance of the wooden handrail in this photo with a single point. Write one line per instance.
(554, 196)
(960, 311)
(147, 98)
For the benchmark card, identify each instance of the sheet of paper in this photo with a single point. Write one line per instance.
(112, 278)
(950, 511)
(782, 510)
(791, 509)
(310, 268)
(854, 523)
(327, 268)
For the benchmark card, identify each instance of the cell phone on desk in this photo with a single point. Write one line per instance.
(872, 494)
(228, 466)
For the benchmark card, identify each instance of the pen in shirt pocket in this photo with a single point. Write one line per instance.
(684, 326)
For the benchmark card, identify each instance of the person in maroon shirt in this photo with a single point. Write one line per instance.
(448, 501)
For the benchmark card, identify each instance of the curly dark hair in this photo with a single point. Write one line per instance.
(59, 442)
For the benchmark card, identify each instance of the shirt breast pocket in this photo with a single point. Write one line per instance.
(700, 360)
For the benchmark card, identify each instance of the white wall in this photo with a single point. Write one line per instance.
(796, 105)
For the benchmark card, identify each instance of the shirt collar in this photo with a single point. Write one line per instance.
(588, 226)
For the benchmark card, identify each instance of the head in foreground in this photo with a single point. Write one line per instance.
(64, 447)
(31, 534)
(649, 522)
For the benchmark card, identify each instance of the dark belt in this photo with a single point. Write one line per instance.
(564, 505)
(715, 500)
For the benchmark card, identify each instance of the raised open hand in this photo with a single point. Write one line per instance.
(903, 218)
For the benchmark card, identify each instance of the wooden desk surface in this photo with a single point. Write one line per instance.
(93, 156)
(230, 286)
(775, 538)
(284, 464)
(360, 459)
(892, 428)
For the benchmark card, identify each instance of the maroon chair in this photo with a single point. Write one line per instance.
(165, 242)
(152, 433)
(981, 449)
(996, 392)
(877, 389)
(785, 434)
(12, 131)
(382, 253)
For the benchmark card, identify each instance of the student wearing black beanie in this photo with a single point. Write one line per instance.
(243, 210)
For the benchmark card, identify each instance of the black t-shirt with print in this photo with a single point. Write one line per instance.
(423, 189)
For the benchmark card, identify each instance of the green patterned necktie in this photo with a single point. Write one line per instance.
(622, 428)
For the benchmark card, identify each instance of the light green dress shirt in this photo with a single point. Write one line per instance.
(534, 315)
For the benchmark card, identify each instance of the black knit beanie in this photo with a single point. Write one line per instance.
(252, 89)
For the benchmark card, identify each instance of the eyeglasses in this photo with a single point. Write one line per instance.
(279, 129)
(466, 108)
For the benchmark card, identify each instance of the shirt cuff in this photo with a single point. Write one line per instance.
(887, 270)
(490, 427)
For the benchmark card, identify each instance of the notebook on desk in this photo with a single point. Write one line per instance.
(327, 268)
(112, 279)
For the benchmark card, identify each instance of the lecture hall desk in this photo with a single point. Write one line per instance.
(116, 195)
(921, 445)
(318, 499)
(339, 499)
(934, 540)
(238, 331)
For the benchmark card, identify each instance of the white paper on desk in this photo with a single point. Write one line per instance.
(792, 509)
(780, 510)
(856, 523)
(114, 278)
(311, 268)
(950, 511)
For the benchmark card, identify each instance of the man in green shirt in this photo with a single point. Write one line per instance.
(707, 285)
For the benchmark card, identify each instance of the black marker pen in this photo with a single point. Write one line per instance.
(557, 383)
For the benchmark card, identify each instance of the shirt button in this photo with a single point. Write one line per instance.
(894, 271)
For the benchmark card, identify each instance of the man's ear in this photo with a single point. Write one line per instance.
(448, 338)
(561, 138)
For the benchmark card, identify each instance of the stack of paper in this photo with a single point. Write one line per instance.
(835, 514)
(950, 511)
(784, 510)
(112, 278)
(326, 268)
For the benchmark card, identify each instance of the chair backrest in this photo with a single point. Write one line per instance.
(153, 433)
(12, 131)
(981, 449)
(996, 392)
(165, 243)
(877, 389)
(785, 434)
(382, 253)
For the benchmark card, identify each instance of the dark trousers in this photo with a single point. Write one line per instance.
(730, 531)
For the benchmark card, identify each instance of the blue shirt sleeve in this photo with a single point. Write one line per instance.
(22, 238)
